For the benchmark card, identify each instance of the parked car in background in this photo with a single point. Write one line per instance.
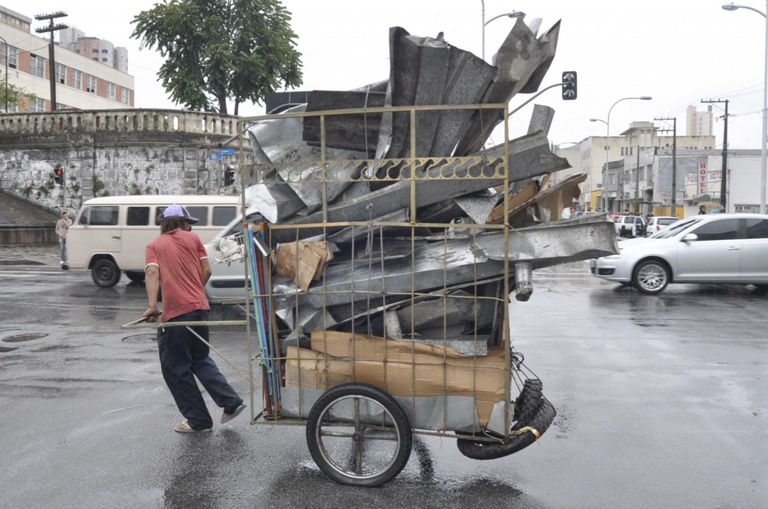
(629, 226)
(657, 223)
(712, 248)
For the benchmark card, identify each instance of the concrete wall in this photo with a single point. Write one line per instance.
(113, 152)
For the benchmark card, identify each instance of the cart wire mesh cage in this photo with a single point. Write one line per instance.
(380, 285)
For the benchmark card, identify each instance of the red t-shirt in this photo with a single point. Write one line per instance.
(177, 254)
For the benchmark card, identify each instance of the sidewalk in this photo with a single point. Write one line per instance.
(43, 254)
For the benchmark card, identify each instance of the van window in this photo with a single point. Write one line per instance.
(201, 213)
(137, 216)
(222, 216)
(100, 216)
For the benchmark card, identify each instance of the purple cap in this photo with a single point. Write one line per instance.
(178, 210)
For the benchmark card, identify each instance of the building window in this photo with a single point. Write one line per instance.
(37, 66)
(91, 84)
(111, 91)
(37, 105)
(61, 74)
(125, 97)
(13, 55)
(77, 79)
(104, 59)
(94, 50)
(104, 51)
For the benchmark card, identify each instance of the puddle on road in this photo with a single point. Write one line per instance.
(20, 338)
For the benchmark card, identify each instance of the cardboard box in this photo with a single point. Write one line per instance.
(401, 368)
(303, 261)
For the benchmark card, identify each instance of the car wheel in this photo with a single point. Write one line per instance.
(651, 276)
(105, 273)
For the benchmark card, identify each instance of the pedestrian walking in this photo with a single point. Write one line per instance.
(177, 264)
(62, 228)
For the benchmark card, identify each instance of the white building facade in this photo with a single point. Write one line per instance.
(81, 82)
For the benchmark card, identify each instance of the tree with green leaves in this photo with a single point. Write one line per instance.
(220, 50)
(15, 95)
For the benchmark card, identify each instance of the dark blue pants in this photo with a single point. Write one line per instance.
(182, 358)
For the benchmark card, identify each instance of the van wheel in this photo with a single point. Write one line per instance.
(136, 277)
(105, 273)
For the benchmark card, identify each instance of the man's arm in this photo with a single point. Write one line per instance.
(206, 266)
(152, 283)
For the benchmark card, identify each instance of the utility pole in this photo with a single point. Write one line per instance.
(725, 152)
(673, 198)
(51, 57)
(637, 183)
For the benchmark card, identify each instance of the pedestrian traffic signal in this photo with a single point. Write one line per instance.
(569, 85)
(229, 176)
(58, 176)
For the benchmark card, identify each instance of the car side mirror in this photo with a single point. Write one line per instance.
(691, 237)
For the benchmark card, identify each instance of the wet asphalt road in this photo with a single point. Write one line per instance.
(662, 401)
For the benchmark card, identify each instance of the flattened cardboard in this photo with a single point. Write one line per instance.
(401, 368)
(311, 259)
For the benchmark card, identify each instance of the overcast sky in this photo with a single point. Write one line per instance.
(677, 51)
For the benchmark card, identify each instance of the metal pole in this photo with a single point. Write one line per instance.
(482, 19)
(764, 139)
(724, 173)
(673, 204)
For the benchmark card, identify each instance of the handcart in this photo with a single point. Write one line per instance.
(379, 308)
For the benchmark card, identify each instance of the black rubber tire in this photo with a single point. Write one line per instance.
(651, 276)
(136, 277)
(542, 419)
(105, 273)
(528, 401)
(350, 470)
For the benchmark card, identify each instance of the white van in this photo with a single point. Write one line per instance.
(109, 234)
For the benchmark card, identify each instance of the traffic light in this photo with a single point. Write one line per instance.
(229, 176)
(58, 175)
(569, 85)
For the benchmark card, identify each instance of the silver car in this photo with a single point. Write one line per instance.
(712, 248)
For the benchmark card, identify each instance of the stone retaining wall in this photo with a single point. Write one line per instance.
(113, 152)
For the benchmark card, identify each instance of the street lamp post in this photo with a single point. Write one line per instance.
(513, 14)
(763, 148)
(608, 132)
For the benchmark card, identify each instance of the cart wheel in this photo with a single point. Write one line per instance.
(359, 435)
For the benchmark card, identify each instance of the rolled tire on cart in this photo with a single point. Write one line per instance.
(359, 435)
(528, 400)
(525, 433)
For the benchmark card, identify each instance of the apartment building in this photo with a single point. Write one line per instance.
(84, 80)
(601, 156)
